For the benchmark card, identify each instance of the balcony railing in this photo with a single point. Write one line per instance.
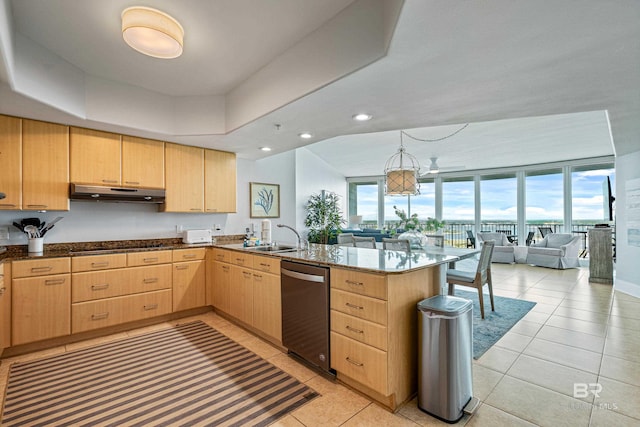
(455, 232)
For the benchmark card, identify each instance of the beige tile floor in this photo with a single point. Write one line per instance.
(577, 333)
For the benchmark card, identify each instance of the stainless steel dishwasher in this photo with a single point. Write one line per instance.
(305, 312)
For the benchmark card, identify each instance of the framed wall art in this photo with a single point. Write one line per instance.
(264, 200)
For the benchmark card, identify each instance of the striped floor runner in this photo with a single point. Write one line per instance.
(190, 375)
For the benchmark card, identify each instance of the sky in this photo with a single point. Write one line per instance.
(544, 198)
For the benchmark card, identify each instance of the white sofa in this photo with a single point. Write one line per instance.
(503, 251)
(556, 250)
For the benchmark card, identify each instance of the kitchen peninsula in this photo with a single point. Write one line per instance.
(100, 290)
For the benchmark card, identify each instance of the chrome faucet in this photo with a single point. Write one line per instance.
(301, 241)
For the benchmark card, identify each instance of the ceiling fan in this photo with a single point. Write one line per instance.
(434, 168)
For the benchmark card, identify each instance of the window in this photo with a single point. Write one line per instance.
(424, 204)
(363, 200)
(499, 203)
(587, 201)
(545, 201)
(458, 200)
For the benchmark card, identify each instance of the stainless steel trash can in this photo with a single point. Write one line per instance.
(445, 381)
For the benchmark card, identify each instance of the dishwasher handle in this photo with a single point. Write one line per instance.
(303, 276)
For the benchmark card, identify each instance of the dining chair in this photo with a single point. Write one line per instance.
(475, 279)
(435, 240)
(396, 244)
(345, 239)
(364, 242)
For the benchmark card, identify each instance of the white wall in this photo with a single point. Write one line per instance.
(627, 277)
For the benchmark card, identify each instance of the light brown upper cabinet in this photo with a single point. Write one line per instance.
(220, 181)
(11, 161)
(45, 166)
(95, 157)
(142, 162)
(184, 172)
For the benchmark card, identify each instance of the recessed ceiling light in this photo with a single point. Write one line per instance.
(265, 148)
(362, 117)
(305, 135)
(152, 32)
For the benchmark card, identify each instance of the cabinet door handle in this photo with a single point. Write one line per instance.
(182, 267)
(99, 264)
(7, 205)
(54, 282)
(196, 209)
(240, 261)
(188, 256)
(357, 331)
(353, 362)
(100, 316)
(357, 307)
(212, 210)
(41, 269)
(220, 257)
(150, 259)
(150, 307)
(246, 274)
(353, 282)
(132, 182)
(257, 276)
(225, 268)
(100, 287)
(38, 206)
(265, 265)
(150, 280)
(110, 181)
(2, 291)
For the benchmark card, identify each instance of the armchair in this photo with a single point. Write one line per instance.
(503, 250)
(556, 250)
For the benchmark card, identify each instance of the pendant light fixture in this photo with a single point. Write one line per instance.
(152, 32)
(401, 173)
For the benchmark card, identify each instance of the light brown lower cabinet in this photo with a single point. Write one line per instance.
(114, 311)
(188, 285)
(41, 308)
(5, 305)
(267, 305)
(241, 294)
(220, 286)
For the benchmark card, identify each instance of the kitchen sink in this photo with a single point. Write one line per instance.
(273, 248)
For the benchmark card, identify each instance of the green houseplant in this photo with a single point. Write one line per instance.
(324, 217)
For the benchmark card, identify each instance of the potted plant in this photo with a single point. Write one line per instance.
(324, 217)
(413, 228)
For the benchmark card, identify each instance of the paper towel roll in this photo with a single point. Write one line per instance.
(265, 235)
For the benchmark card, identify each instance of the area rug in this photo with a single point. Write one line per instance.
(187, 375)
(496, 323)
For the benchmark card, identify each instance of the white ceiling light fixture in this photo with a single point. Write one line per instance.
(265, 148)
(305, 135)
(362, 117)
(401, 173)
(152, 32)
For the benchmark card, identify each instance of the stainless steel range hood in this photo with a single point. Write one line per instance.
(99, 193)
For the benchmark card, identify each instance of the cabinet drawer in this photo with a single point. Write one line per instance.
(266, 264)
(221, 255)
(113, 311)
(358, 361)
(360, 330)
(241, 259)
(41, 267)
(94, 285)
(98, 262)
(135, 259)
(360, 306)
(372, 285)
(188, 254)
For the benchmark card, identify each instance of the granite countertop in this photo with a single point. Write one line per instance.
(362, 259)
(57, 250)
